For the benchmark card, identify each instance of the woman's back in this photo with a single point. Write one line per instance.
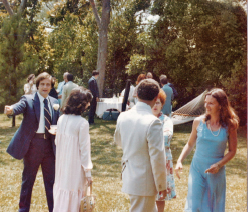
(72, 160)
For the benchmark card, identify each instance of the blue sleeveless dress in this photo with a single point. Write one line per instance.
(207, 192)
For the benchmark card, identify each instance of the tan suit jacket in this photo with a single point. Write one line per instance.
(140, 134)
(66, 91)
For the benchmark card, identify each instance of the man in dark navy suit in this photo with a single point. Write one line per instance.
(32, 142)
(94, 90)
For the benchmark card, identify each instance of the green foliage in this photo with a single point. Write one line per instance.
(13, 32)
(137, 64)
(236, 88)
(207, 39)
(79, 82)
(78, 8)
(23, 51)
(195, 43)
(74, 47)
(122, 40)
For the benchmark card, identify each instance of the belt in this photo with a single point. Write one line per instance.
(40, 135)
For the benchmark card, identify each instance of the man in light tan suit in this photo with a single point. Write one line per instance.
(140, 135)
(67, 88)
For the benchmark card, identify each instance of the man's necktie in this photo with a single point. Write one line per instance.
(48, 118)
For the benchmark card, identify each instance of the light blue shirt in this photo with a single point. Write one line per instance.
(41, 128)
(169, 97)
(60, 87)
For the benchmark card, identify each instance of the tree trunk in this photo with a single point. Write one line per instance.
(9, 9)
(102, 58)
(102, 40)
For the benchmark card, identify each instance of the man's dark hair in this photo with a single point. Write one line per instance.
(30, 77)
(148, 89)
(77, 101)
(163, 79)
(70, 77)
(95, 72)
(43, 76)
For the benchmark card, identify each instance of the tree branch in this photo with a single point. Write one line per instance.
(106, 12)
(7, 7)
(22, 6)
(98, 20)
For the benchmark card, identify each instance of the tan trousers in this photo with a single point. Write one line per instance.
(143, 203)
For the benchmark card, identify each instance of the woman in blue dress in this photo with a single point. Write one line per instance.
(167, 133)
(210, 133)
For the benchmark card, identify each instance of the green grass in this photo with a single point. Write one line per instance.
(106, 158)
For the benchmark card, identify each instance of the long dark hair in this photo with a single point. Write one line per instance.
(77, 101)
(228, 117)
(30, 77)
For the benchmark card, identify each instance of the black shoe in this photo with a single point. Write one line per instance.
(91, 123)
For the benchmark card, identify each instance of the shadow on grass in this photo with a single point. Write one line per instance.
(106, 157)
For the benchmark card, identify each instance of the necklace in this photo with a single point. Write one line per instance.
(213, 133)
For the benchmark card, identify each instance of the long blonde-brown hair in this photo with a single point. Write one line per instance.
(228, 117)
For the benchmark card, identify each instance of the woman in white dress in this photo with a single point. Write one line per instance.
(30, 87)
(73, 154)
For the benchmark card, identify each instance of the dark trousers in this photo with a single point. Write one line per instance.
(92, 110)
(40, 153)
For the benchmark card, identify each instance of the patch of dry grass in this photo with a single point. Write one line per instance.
(106, 158)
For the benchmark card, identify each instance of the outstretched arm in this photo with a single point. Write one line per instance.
(16, 108)
(188, 147)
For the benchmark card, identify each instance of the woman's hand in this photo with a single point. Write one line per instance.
(179, 167)
(89, 180)
(213, 169)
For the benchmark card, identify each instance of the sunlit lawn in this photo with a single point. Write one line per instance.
(106, 158)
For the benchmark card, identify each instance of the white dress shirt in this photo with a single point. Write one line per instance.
(41, 128)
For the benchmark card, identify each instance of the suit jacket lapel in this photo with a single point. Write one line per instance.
(36, 107)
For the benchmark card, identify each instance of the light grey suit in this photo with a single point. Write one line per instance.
(66, 91)
(140, 135)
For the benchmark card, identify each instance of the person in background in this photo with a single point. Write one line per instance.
(95, 92)
(140, 134)
(130, 95)
(67, 88)
(167, 133)
(53, 93)
(73, 155)
(210, 133)
(149, 75)
(60, 87)
(169, 95)
(30, 87)
(139, 78)
(32, 142)
(175, 94)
